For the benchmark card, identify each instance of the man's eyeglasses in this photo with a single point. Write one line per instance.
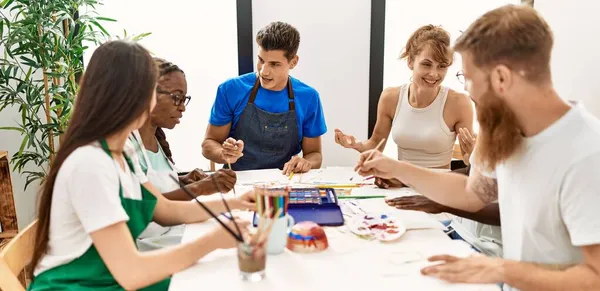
(461, 77)
(177, 98)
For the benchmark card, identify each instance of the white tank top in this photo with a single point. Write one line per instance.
(421, 134)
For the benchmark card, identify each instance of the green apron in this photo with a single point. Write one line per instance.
(89, 272)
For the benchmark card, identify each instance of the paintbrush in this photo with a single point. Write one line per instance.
(264, 235)
(237, 237)
(259, 228)
(229, 166)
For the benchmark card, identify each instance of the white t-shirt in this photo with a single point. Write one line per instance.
(549, 193)
(85, 199)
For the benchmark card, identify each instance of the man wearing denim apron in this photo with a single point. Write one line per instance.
(264, 119)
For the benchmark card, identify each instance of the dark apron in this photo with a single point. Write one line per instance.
(270, 139)
(89, 272)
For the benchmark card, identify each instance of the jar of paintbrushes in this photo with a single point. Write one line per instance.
(272, 207)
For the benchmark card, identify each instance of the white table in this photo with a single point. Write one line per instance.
(350, 263)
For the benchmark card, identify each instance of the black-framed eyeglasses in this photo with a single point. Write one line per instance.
(461, 77)
(177, 98)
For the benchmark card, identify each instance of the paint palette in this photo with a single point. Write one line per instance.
(380, 226)
(312, 196)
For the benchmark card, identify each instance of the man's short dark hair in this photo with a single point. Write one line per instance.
(279, 36)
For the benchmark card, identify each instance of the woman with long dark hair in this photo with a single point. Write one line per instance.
(92, 206)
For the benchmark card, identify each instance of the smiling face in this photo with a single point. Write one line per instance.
(166, 114)
(428, 72)
(274, 68)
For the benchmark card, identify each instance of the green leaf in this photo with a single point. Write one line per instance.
(12, 128)
(28, 74)
(100, 27)
(141, 36)
(106, 19)
(23, 143)
(6, 3)
(29, 62)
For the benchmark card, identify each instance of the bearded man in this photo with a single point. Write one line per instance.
(537, 155)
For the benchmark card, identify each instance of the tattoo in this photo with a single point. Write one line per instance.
(485, 188)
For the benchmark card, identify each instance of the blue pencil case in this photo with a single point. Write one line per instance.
(313, 204)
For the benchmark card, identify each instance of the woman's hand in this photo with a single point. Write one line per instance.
(388, 183)
(246, 201)
(193, 176)
(466, 140)
(347, 141)
(222, 181)
(222, 237)
(416, 202)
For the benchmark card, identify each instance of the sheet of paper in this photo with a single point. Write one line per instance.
(367, 191)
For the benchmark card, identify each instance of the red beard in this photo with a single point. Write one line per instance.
(499, 136)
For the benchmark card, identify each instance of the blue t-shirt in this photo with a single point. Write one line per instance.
(233, 95)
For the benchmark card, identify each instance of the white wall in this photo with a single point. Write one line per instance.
(334, 59)
(201, 38)
(576, 53)
(404, 17)
(25, 201)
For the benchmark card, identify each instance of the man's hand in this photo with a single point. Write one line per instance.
(378, 165)
(416, 202)
(388, 183)
(474, 269)
(296, 165)
(232, 150)
(193, 176)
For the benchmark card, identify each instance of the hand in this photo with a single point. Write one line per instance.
(232, 150)
(221, 181)
(378, 165)
(224, 239)
(246, 201)
(193, 176)
(388, 183)
(474, 269)
(296, 165)
(347, 141)
(466, 141)
(416, 202)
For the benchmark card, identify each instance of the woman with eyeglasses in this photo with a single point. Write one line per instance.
(92, 206)
(423, 116)
(156, 162)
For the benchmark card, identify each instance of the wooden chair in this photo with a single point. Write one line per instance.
(8, 213)
(15, 256)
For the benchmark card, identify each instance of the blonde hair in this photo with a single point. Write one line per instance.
(435, 37)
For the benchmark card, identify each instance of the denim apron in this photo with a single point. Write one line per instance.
(270, 139)
(89, 272)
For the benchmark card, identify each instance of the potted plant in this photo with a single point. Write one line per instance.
(44, 43)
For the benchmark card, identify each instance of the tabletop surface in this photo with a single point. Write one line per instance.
(349, 263)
